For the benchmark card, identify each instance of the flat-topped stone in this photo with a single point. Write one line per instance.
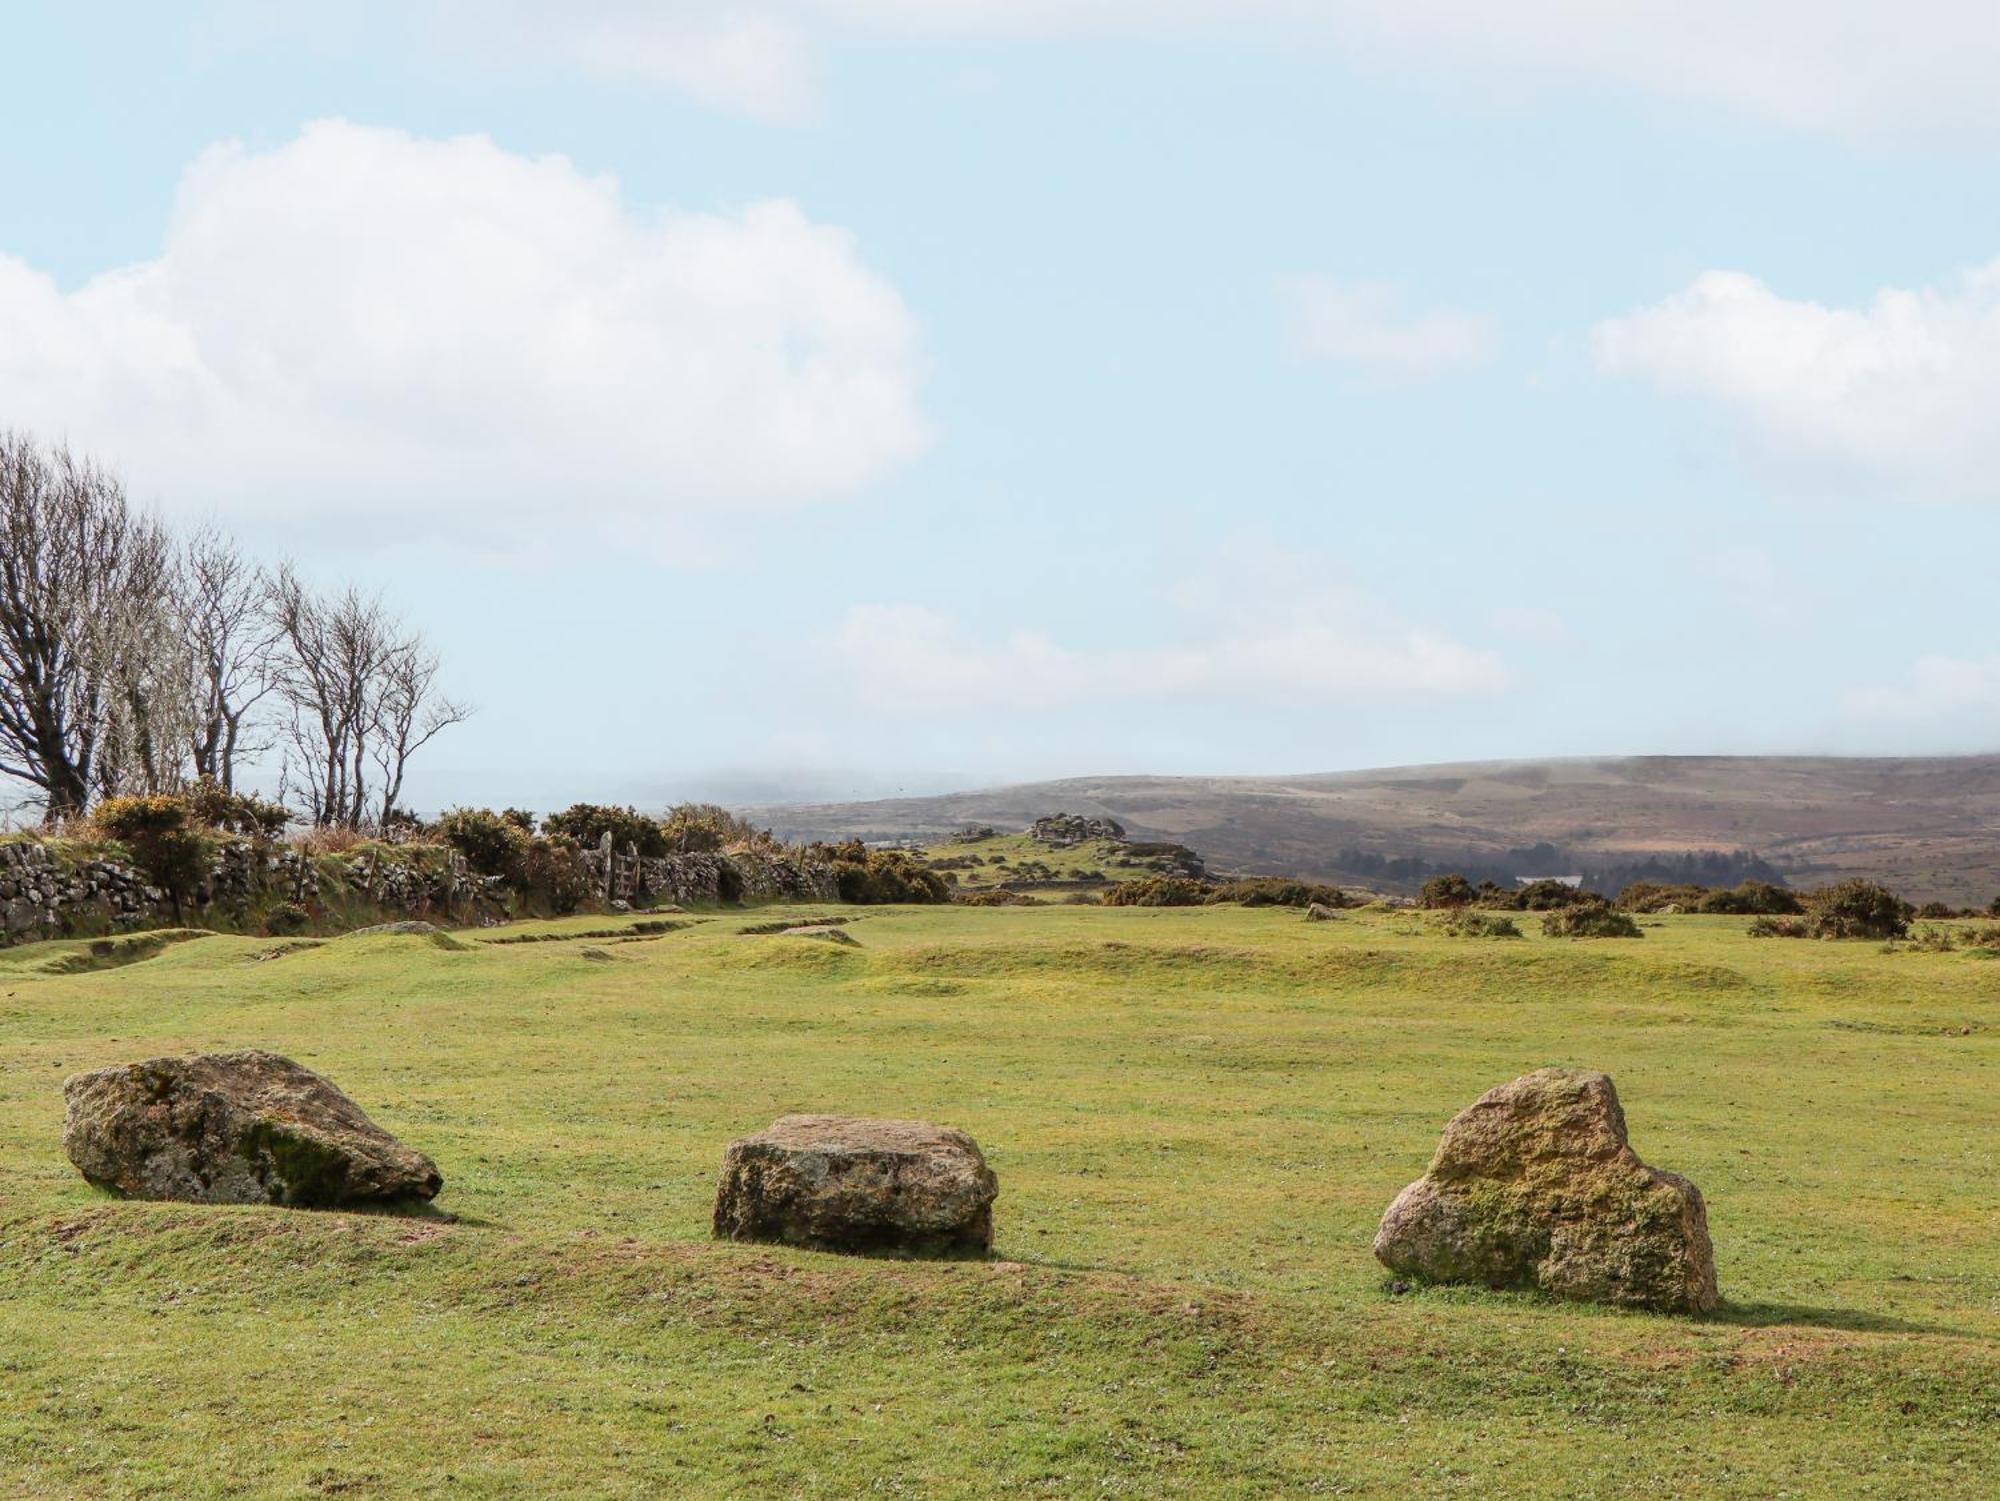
(844, 1183)
(234, 1128)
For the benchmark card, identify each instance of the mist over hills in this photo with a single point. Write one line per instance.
(1928, 826)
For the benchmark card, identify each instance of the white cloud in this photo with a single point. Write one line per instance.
(1939, 688)
(1358, 324)
(1848, 66)
(1903, 387)
(1285, 642)
(443, 334)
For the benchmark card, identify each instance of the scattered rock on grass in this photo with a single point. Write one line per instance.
(838, 1183)
(1534, 1185)
(234, 1128)
(1320, 912)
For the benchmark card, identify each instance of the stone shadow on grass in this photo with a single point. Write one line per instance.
(1844, 1320)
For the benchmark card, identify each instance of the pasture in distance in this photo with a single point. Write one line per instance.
(1197, 1117)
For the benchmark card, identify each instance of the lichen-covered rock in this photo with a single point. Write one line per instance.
(1320, 912)
(234, 1128)
(1534, 1185)
(839, 1183)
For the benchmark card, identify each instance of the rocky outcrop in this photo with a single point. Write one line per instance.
(1320, 912)
(1534, 1185)
(1063, 829)
(234, 1128)
(838, 1183)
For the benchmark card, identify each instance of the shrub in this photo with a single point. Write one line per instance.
(1856, 909)
(492, 844)
(1465, 923)
(1778, 927)
(588, 823)
(1553, 896)
(1590, 922)
(1754, 898)
(1932, 911)
(1279, 891)
(874, 877)
(1157, 891)
(157, 830)
(285, 919)
(703, 828)
(552, 870)
(1659, 896)
(996, 898)
(520, 818)
(1446, 892)
(1935, 941)
(212, 806)
(1994, 909)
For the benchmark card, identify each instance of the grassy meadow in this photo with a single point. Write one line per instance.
(1197, 1116)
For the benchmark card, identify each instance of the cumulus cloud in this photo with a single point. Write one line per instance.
(1938, 689)
(1319, 646)
(1903, 387)
(1848, 66)
(364, 324)
(1359, 325)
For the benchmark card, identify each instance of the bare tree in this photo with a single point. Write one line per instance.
(142, 650)
(361, 694)
(232, 643)
(77, 582)
(408, 714)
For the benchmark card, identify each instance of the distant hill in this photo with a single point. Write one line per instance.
(1930, 827)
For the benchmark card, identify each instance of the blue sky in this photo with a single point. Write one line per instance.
(864, 394)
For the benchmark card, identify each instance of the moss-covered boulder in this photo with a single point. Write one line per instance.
(1535, 1186)
(838, 1183)
(234, 1128)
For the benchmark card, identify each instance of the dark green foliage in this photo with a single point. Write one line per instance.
(1446, 892)
(1554, 896)
(492, 845)
(211, 806)
(552, 870)
(1933, 911)
(1662, 896)
(1856, 909)
(588, 823)
(1157, 891)
(1590, 922)
(1994, 909)
(160, 834)
(286, 918)
(875, 877)
(1754, 898)
(1280, 891)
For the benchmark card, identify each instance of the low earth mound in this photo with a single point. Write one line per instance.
(235, 1128)
(1534, 1185)
(839, 1183)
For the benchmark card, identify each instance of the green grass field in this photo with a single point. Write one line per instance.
(1197, 1117)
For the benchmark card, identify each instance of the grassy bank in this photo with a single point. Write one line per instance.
(1197, 1117)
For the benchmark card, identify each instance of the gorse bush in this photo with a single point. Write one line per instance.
(1554, 896)
(160, 834)
(1467, 923)
(491, 844)
(588, 823)
(703, 828)
(285, 919)
(1157, 891)
(1445, 892)
(1856, 909)
(879, 877)
(1279, 891)
(212, 806)
(1590, 922)
(552, 870)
